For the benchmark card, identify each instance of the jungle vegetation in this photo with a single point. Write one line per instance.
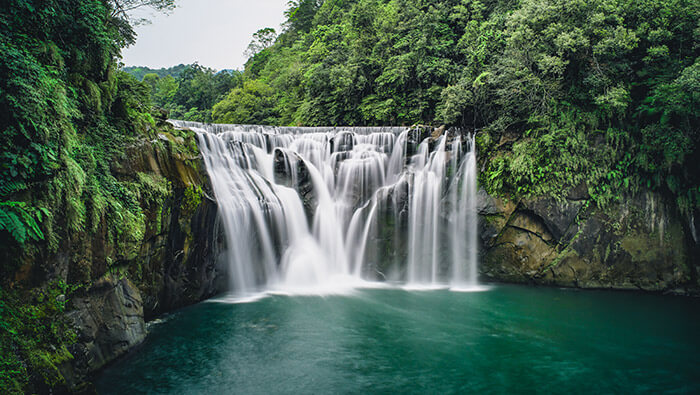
(602, 94)
(139, 72)
(562, 93)
(187, 91)
(66, 113)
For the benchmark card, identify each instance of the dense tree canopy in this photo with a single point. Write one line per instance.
(139, 72)
(262, 39)
(188, 92)
(602, 92)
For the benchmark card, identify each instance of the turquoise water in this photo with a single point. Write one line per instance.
(508, 339)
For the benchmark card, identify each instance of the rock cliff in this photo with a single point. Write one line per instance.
(639, 243)
(174, 265)
(114, 288)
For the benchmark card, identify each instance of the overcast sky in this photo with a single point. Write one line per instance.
(214, 33)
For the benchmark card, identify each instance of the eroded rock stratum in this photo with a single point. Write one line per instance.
(637, 243)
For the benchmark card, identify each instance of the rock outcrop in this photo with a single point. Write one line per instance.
(173, 263)
(109, 320)
(638, 243)
(177, 263)
(291, 171)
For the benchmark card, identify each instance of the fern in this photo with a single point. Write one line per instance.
(20, 221)
(9, 187)
(12, 224)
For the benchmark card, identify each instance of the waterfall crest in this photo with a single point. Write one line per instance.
(324, 209)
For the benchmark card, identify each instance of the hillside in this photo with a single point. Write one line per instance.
(603, 93)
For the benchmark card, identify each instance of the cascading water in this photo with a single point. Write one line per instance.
(324, 209)
(464, 224)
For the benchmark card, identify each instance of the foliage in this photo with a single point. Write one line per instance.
(21, 221)
(262, 39)
(61, 104)
(192, 198)
(68, 119)
(66, 114)
(140, 71)
(34, 337)
(191, 91)
(602, 93)
(251, 103)
(595, 72)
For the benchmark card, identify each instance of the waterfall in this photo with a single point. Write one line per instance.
(314, 209)
(464, 221)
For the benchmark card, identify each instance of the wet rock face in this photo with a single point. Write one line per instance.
(388, 254)
(343, 141)
(109, 318)
(291, 171)
(283, 168)
(178, 262)
(305, 187)
(190, 269)
(415, 137)
(175, 264)
(571, 243)
(556, 217)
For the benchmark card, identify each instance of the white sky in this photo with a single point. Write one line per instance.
(214, 33)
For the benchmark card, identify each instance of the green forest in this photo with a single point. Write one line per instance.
(187, 92)
(67, 112)
(140, 72)
(560, 93)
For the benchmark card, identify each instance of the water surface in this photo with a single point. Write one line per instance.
(504, 340)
